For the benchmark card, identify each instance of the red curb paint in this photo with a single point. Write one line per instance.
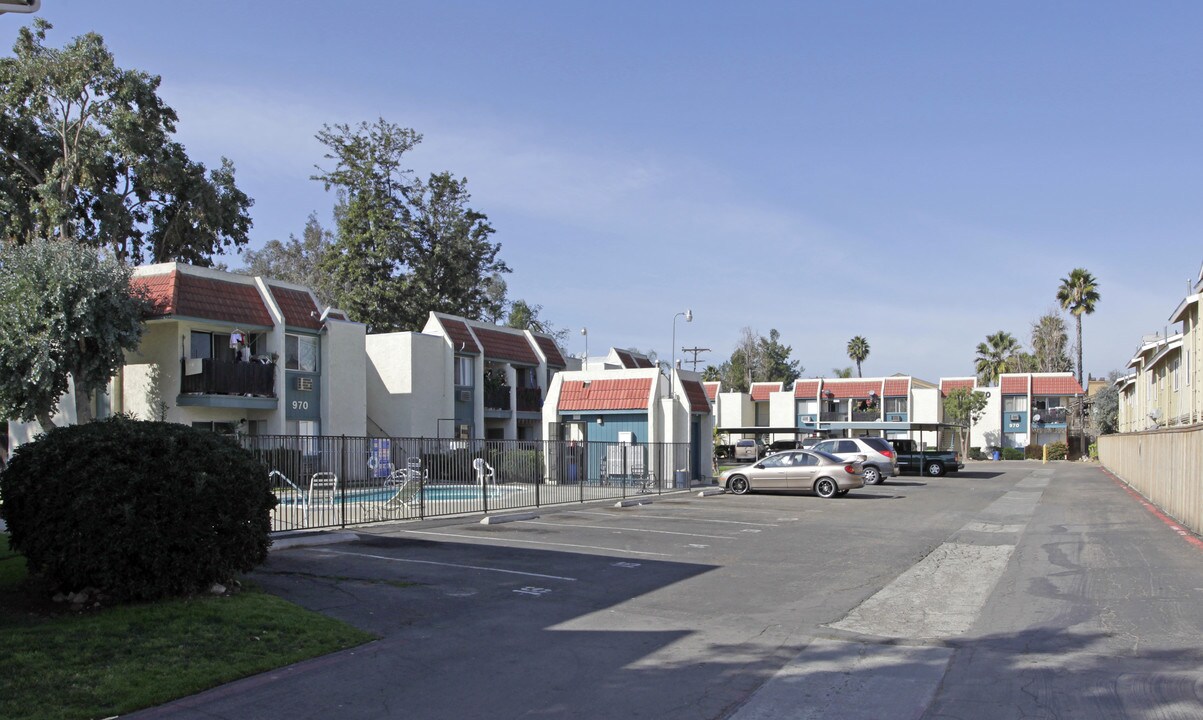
(1169, 521)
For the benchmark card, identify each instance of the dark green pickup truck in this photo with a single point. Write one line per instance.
(925, 462)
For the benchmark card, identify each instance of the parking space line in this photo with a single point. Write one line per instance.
(624, 529)
(690, 519)
(454, 565)
(498, 538)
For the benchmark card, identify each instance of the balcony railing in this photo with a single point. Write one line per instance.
(1050, 417)
(221, 377)
(497, 398)
(865, 415)
(530, 399)
(828, 416)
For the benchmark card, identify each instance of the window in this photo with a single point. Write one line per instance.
(221, 428)
(300, 352)
(808, 459)
(1015, 403)
(465, 371)
(847, 446)
(895, 405)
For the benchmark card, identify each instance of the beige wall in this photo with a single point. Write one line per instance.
(344, 378)
(1166, 466)
(409, 383)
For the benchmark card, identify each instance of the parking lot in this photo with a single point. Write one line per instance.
(686, 607)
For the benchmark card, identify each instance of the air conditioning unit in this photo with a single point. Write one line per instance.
(1014, 418)
(465, 396)
(895, 417)
(305, 383)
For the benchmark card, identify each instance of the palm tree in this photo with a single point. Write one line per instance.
(996, 356)
(858, 350)
(841, 372)
(1078, 294)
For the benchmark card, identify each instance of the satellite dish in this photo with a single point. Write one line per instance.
(1036, 417)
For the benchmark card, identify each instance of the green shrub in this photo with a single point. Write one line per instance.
(1012, 453)
(1093, 450)
(1057, 451)
(139, 510)
(524, 466)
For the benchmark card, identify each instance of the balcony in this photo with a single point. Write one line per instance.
(1050, 417)
(828, 416)
(244, 384)
(865, 415)
(530, 399)
(497, 397)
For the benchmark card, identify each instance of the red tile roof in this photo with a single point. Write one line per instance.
(896, 387)
(712, 389)
(184, 295)
(502, 345)
(1015, 385)
(761, 390)
(461, 339)
(1056, 385)
(806, 388)
(298, 308)
(851, 388)
(628, 394)
(554, 357)
(697, 396)
(947, 386)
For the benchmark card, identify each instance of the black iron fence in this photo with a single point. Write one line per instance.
(339, 481)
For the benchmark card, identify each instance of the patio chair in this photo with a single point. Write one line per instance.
(322, 483)
(484, 471)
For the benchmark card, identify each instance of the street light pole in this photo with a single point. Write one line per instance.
(585, 332)
(672, 370)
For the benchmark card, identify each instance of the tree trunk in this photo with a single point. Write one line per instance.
(45, 420)
(83, 407)
(1078, 318)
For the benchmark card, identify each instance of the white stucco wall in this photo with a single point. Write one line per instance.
(344, 378)
(782, 412)
(409, 383)
(988, 432)
(928, 408)
(736, 410)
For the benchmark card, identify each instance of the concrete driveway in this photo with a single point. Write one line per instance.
(1009, 590)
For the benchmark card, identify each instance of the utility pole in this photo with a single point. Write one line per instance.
(696, 351)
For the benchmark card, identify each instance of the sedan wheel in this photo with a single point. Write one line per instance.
(935, 469)
(872, 475)
(826, 488)
(739, 485)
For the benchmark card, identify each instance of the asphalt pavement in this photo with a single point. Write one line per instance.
(1010, 590)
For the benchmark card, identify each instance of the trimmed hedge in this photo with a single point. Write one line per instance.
(1058, 451)
(139, 510)
(1012, 454)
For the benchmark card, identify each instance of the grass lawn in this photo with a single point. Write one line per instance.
(58, 664)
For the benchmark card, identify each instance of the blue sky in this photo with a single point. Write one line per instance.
(921, 174)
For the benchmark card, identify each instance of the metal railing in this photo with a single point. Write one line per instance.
(220, 377)
(338, 481)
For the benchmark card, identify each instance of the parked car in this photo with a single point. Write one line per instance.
(925, 462)
(748, 449)
(825, 475)
(799, 444)
(879, 459)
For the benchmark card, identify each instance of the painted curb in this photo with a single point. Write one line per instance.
(313, 539)
(497, 519)
(632, 502)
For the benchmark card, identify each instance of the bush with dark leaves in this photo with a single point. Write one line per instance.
(140, 510)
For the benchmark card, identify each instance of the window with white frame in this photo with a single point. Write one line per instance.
(465, 371)
(895, 405)
(301, 352)
(1015, 403)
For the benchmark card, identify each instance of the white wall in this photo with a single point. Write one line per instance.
(927, 405)
(409, 383)
(736, 410)
(344, 378)
(988, 432)
(782, 412)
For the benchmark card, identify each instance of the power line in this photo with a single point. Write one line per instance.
(695, 352)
